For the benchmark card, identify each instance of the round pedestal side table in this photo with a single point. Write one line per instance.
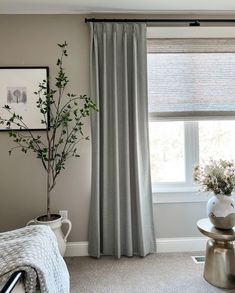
(219, 269)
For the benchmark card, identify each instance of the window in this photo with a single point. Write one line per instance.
(167, 151)
(175, 147)
(191, 109)
(216, 140)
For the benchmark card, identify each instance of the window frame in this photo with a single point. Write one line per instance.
(187, 193)
(191, 155)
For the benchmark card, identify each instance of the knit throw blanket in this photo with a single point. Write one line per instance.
(34, 250)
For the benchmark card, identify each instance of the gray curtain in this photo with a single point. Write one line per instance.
(121, 217)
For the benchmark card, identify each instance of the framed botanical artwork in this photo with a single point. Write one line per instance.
(17, 87)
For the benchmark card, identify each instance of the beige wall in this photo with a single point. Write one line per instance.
(27, 41)
(30, 40)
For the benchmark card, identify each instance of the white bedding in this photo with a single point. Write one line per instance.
(34, 250)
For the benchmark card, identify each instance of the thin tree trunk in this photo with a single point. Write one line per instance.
(48, 193)
(49, 182)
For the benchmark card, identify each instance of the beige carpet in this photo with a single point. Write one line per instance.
(166, 273)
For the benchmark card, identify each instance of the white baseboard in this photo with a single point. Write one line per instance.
(77, 249)
(185, 244)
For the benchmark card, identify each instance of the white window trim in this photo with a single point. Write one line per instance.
(183, 192)
(179, 197)
(191, 155)
(182, 197)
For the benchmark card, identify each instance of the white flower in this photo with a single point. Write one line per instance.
(217, 176)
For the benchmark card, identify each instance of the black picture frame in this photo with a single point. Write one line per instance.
(17, 87)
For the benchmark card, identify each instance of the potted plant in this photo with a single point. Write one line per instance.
(63, 114)
(218, 177)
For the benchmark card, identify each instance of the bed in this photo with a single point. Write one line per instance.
(30, 259)
(14, 284)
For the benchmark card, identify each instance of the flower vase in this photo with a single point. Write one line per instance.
(55, 224)
(221, 211)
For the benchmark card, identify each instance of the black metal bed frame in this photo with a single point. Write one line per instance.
(12, 282)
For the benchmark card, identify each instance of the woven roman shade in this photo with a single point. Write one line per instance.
(191, 79)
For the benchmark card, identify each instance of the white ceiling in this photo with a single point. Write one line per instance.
(116, 6)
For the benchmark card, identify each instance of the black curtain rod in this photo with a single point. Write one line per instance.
(192, 22)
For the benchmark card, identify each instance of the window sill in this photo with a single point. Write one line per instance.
(174, 189)
(180, 197)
